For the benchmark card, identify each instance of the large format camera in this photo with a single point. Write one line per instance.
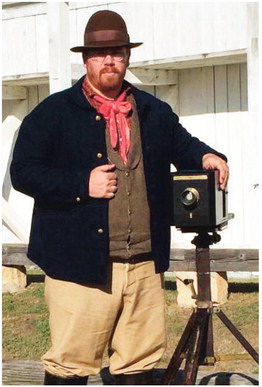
(198, 202)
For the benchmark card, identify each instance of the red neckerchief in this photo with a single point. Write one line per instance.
(115, 113)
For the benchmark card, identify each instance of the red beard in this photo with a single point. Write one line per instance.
(110, 78)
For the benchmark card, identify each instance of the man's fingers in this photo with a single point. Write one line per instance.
(211, 161)
(111, 192)
(112, 182)
(223, 179)
(111, 176)
(103, 181)
(109, 195)
(106, 167)
(223, 175)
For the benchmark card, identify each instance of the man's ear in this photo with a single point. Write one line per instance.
(128, 56)
(84, 56)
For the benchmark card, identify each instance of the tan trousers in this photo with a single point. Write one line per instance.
(128, 315)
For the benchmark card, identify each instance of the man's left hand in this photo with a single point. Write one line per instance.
(212, 161)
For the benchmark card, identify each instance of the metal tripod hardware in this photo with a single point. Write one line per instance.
(204, 305)
(190, 284)
(196, 343)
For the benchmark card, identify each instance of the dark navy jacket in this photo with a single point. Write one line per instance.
(56, 150)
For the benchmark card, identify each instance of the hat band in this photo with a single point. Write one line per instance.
(106, 36)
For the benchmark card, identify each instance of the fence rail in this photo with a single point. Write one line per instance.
(180, 259)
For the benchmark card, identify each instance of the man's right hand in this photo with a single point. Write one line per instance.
(103, 182)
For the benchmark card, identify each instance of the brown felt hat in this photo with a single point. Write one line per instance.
(105, 29)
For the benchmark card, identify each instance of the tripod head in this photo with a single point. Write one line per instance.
(204, 240)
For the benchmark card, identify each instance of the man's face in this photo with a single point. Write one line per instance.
(106, 67)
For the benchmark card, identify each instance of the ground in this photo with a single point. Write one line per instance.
(26, 331)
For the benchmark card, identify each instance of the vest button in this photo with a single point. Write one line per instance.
(127, 173)
(100, 231)
(78, 199)
(99, 155)
(98, 118)
(128, 193)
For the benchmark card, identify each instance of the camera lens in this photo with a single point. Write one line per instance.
(190, 197)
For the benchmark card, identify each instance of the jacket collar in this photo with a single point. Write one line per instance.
(78, 95)
(142, 103)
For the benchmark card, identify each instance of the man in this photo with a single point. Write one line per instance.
(96, 159)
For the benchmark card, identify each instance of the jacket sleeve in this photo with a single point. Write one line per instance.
(187, 151)
(33, 170)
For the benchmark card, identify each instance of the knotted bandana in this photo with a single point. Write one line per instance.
(115, 113)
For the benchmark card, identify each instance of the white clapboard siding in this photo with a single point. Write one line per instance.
(19, 45)
(41, 43)
(167, 29)
(213, 106)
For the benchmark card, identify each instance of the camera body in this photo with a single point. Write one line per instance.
(198, 202)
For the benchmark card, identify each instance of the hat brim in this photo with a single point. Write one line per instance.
(103, 45)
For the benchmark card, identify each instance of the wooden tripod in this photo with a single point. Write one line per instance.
(196, 343)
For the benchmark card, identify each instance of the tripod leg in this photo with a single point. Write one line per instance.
(176, 359)
(194, 351)
(207, 348)
(210, 339)
(238, 335)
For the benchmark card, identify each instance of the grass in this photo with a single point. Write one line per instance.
(26, 331)
(25, 324)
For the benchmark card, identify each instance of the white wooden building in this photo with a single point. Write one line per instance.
(200, 57)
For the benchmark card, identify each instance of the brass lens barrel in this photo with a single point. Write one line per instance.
(190, 197)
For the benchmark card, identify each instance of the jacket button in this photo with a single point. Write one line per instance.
(100, 231)
(98, 118)
(99, 155)
(78, 199)
(127, 174)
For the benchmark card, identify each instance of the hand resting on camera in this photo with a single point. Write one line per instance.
(212, 161)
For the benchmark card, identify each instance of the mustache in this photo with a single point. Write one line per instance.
(109, 70)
